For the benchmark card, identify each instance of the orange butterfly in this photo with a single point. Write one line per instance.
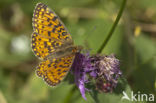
(52, 43)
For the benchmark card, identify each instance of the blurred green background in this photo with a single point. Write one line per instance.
(88, 21)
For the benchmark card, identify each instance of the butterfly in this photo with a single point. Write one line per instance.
(52, 44)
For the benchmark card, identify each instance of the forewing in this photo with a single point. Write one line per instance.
(43, 46)
(49, 32)
(53, 71)
(47, 23)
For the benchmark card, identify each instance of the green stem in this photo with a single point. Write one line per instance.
(113, 27)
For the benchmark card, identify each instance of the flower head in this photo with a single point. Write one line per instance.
(81, 66)
(103, 69)
(108, 72)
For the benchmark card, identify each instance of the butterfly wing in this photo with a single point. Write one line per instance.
(53, 71)
(49, 32)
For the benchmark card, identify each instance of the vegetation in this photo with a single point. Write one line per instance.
(90, 22)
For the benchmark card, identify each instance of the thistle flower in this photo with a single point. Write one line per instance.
(103, 69)
(80, 67)
(108, 72)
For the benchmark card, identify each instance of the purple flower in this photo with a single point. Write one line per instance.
(80, 67)
(104, 70)
(108, 72)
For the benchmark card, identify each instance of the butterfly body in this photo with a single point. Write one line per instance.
(52, 43)
(70, 50)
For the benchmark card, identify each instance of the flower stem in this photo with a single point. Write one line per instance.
(113, 27)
